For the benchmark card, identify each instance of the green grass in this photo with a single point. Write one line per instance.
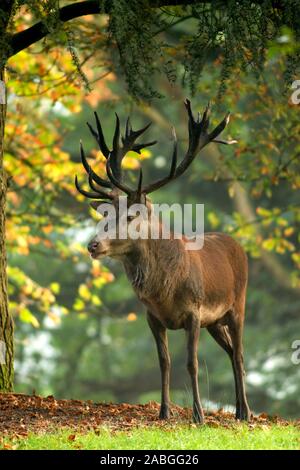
(179, 437)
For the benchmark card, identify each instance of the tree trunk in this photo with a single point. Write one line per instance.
(6, 321)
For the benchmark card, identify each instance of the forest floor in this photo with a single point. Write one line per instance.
(30, 421)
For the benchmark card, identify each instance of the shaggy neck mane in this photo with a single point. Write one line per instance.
(155, 267)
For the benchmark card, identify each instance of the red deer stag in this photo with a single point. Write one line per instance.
(204, 288)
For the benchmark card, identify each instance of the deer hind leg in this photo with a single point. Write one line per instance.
(221, 335)
(161, 339)
(193, 331)
(235, 323)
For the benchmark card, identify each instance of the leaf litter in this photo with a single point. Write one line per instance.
(21, 414)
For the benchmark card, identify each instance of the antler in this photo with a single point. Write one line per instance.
(93, 177)
(198, 138)
(113, 159)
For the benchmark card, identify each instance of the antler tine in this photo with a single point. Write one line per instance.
(188, 107)
(213, 136)
(131, 135)
(128, 128)
(116, 138)
(103, 194)
(138, 147)
(103, 147)
(90, 171)
(158, 184)
(89, 194)
(205, 118)
(115, 181)
(115, 155)
(226, 142)
(220, 127)
(194, 128)
(174, 156)
(136, 134)
(139, 188)
(93, 132)
(99, 136)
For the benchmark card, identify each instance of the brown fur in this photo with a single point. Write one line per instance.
(175, 282)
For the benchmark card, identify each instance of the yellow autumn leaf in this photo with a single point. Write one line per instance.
(213, 219)
(130, 163)
(47, 229)
(96, 268)
(78, 305)
(99, 282)
(108, 277)
(27, 317)
(28, 288)
(55, 287)
(269, 244)
(282, 222)
(96, 300)
(289, 231)
(131, 316)
(84, 292)
(263, 212)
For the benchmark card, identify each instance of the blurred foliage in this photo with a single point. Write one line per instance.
(145, 42)
(79, 329)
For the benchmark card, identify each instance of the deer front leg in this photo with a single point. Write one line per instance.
(160, 335)
(193, 330)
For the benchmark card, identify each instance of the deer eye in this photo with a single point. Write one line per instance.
(130, 218)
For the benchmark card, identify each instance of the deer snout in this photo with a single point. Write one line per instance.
(97, 248)
(92, 246)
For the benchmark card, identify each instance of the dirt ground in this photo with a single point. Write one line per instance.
(20, 414)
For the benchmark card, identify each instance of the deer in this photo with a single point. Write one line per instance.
(181, 289)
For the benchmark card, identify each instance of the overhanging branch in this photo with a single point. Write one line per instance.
(24, 39)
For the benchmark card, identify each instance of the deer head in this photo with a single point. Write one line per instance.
(107, 191)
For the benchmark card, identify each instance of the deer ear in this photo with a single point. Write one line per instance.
(94, 205)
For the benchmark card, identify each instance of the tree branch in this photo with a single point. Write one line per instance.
(24, 39)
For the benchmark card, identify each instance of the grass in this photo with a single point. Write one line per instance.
(177, 437)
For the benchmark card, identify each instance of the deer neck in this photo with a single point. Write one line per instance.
(155, 266)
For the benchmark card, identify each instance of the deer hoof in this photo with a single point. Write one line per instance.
(198, 419)
(243, 415)
(164, 412)
(198, 416)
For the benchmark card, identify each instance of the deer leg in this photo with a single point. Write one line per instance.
(235, 327)
(193, 331)
(161, 339)
(221, 336)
